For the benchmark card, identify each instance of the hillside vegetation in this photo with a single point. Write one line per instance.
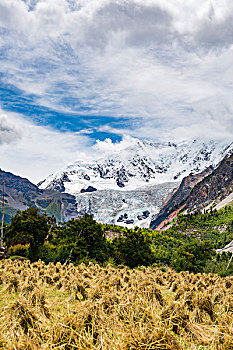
(89, 307)
(216, 226)
(188, 245)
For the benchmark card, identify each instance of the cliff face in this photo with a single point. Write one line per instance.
(214, 188)
(20, 193)
(177, 199)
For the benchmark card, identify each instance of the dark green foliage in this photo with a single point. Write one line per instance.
(189, 245)
(84, 237)
(30, 227)
(163, 244)
(133, 249)
(192, 256)
(53, 253)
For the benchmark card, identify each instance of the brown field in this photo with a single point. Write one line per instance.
(89, 307)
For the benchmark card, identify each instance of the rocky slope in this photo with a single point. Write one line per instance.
(209, 190)
(214, 189)
(126, 183)
(20, 193)
(178, 197)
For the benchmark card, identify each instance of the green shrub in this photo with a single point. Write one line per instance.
(53, 253)
(19, 250)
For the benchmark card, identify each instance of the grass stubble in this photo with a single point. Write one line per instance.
(90, 307)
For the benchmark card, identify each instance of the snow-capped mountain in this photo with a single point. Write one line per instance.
(127, 182)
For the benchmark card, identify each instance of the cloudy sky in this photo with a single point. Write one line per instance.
(74, 71)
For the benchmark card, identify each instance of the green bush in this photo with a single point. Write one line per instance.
(133, 249)
(53, 253)
(19, 250)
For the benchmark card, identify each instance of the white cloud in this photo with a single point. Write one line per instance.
(8, 132)
(38, 151)
(167, 65)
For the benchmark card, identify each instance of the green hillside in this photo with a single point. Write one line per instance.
(190, 244)
(215, 226)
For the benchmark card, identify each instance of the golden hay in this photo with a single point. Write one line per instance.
(90, 307)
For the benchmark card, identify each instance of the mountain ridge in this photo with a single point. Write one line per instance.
(128, 185)
(20, 193)
(134, 163)
(178, 197)
(129, 166)
(214, 188)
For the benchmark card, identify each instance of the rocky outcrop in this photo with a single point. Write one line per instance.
(178, 197)
(88, 189)
(202, 191)
(217, 186)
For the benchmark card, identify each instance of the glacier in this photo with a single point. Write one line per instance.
(127, 182)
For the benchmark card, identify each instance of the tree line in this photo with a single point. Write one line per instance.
(189, 245)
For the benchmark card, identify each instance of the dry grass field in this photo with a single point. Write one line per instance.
(89, 307)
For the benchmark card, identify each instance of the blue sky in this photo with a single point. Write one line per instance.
(73, 72)
(16, 100)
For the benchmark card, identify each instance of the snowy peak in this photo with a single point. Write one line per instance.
(126, 183)
(133, 163)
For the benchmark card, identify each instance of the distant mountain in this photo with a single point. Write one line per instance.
(128, 183)
(20, 193)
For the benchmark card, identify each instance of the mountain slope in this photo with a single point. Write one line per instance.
(125, 170)
(177, 198)
(211, 189)
(20, 193)
(214, 189)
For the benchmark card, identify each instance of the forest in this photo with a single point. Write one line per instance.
(189, 245)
